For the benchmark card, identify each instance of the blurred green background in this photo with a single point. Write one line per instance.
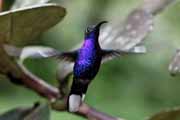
(133, 87)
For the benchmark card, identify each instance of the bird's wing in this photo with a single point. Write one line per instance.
(133, 30)
(22, 26)
(126, 37)
(109, 54)
(68, 56)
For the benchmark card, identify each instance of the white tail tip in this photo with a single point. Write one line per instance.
(74, 102)
(83, 97)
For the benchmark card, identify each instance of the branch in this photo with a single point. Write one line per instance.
(38, 85)
(85, 111)
(93, 114)
(52, 93)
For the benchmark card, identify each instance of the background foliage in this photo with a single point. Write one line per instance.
(132, 87)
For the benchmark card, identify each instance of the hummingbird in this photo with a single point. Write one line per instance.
(87, 61)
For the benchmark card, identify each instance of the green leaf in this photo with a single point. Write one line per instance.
(22, 26)
(39, 112)
(25, 3)
(172, 114)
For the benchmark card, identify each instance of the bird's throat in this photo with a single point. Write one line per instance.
(91, 43)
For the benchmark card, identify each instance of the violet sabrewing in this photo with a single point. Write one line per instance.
(86, 66)
(87, 61)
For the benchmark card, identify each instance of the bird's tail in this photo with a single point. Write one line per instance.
(77, 94)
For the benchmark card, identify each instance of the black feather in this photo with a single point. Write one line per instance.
(68, 56)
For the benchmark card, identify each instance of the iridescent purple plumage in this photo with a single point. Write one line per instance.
(87, 61)
(86, 66)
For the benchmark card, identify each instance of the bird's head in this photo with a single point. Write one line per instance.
(93, 31)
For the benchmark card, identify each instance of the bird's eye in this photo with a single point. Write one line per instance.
(89, 29)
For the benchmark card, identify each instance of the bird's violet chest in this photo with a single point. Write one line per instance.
(88, 60)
